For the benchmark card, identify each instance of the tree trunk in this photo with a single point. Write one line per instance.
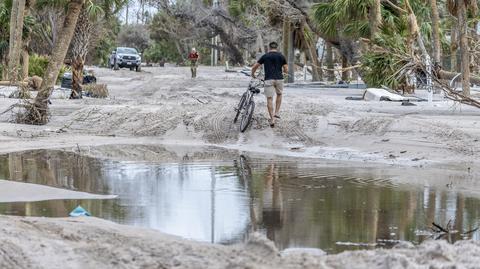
(78, 50)
(329, 62)
(56, 61)
(235, 54)
(26, 43)
(454, 47)
(11, 41)
(291, 55)
(25, 63)
(15, 41)
(464, 48)
(285, 31)
(375, 17)
(345, 72)
(414, 29)
(77, 77)
(437, 48)
(179, 49)
(260, 43)
(313, 55)
(126, 14)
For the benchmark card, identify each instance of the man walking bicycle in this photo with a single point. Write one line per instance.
(274, 63)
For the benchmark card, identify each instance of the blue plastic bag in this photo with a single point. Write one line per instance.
(79, 211)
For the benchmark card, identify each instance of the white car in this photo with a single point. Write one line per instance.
(123, 57)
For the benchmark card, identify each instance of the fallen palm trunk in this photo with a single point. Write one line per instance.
(451, 75)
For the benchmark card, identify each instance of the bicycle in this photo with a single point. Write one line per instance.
(246, 106)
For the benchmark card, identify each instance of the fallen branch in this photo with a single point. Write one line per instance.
(442, 232)
(397, 8)
(454, 95)
(440, 228)
(469, 232)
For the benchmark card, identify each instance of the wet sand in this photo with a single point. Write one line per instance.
(25, 192)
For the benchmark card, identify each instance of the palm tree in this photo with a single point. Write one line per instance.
(454, 46)
(27, 37)
(375, 15)
(437, 49)
(38, 114)
(464, 48)
(5, 8)
(89, 22)
(79, 49)
(459, 8)
(15, 43)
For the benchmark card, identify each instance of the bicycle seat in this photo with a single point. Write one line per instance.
(255, 90)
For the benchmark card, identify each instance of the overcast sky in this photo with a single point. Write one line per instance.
(134, 8)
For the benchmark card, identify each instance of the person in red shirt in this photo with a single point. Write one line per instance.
(193, 57)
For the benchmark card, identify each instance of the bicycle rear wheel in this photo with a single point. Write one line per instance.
(240, 107)
(247, 116)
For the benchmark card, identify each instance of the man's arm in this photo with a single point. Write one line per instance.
(254, 69)
(285, 69)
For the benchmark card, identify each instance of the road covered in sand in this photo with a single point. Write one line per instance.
(163, 106)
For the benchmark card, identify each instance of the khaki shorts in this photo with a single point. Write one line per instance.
(272, 87)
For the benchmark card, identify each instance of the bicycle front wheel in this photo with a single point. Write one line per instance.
(240, 107)
(247, 116)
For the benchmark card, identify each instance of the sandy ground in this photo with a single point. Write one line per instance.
(94, 243)
(164, 106)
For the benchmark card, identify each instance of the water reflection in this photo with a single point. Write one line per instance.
(296, 204)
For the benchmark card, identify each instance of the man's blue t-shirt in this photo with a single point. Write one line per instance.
(273, 62)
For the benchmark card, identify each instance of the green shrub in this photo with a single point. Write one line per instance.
(63, 70)
(161, 50)
(37, 65)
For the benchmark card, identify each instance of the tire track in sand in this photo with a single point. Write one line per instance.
(219, 126)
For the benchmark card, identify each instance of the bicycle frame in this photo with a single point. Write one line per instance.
(246, 106)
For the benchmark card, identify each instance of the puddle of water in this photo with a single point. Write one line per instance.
(295, 203)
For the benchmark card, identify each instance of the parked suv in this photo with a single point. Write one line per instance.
(123, 57)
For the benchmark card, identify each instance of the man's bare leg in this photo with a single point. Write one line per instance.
(270, 109)
(278, 103)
